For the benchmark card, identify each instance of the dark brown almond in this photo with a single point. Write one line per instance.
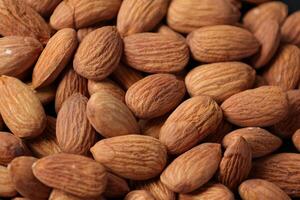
(116, 186)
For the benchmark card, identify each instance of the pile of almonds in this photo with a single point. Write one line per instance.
(149, 100)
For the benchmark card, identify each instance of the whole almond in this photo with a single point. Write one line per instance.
(193, 168)
(20, 108)
(155, 95)
(19, 54)
(99, 53)
(220, 43)
(290, 30)
(74, 174)
(282, 169)
(139, 195)
(261, 189)
(54, 58)
(296, 139)
(206, 80)
(186, 16)
(46, 94)
(135, 157)
(155, 53)
(152, 127)
(24, 181)
(44, 7)
(61, 195)
(260, 140)
(82, 13)
(116, 186)
(118, 119)
(263, 106)
(7, 188)
(191, 122)
(223, 129)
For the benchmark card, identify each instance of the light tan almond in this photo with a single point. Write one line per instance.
(46, 94)
(7, 188)
(290, 30)
(116, 186)
(44, 7)
(296, 139)
(139, 195)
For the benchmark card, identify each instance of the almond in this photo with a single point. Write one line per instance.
(7, 188)
(118, 119)
(290, 30)
(98, 55)
(166, 30)
(193, 168)
(191, 122)
(263, 106)
(220, 80)
(116, 186)
(296, 139)
(282, 169)
(155, 53)
(74, 174)
(21, 175)
(82, 13)
(186, 16)
(137, 16)
(261, 189)
(155, 95)
(44, 7)
(54, 58)
(139, 195)
(46, 94)
(20, 108)
(222, 43)
(152, 127)
(134, 157)
(223, 129)
(260, 140)
(61, 195)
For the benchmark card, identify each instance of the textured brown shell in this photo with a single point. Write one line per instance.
(290, 30)
(7, 188)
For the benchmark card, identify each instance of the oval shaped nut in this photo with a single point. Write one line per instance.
(18, 54)
(260, 140)
(116, 186)
(99, 53)
(63, 171)
(155, 53)
(7, 188)
(191, 122)
(261, 189)
(70, 84)
(20, 108)
(82, 13)
(10, 148)
(221, 43)
(186, 16)
(74, 132)
(110, 116)
(282, 169)
(139, 195)
(155, 95)
(263, 106)
(135, 157)
(211, 191)
(296, 139)
(46, 94)
(18, 14)
(193, 168)
(140, 16)
(24, 181)
(44, 7)
(290, 30)
(54, 58)
(284, 71)
(220, 80)
(274, 10)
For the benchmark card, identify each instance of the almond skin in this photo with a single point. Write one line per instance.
(220, 80)
(296, 139)
(55, 57)
(7, 188)
(155, 53)
(260, 189)
(263, 106)
(99, 53)
(186, 16)
(193, 168)
(74, 174)
(139, 195)
(282, 169)
(44, 7)
(18, 54)
(191, 122)
(290, 30)
(260, 140)
(155, 95)
(116, 186)
(20, 108)
(220, 43)
(118, 119)
(134, 157)
(22, 177)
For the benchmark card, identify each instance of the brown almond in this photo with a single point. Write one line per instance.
(46, 94)
(290, 30)
(296, 139)
(116, 186)
(7, 188)
(166, 30)
(139, 195)
(43, 7)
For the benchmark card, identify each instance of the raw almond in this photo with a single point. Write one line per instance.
(193, 168)
(46, 94)
(263, 106)
(98, 55)
(134, 157)
(155, 95)
(74, 174)
(44, 7)
(116, 186)
(191, 122)
(220, 80)
(290, 30)
(221, 43)
(7, 188)
(296, 139)
(155, 53)
(139, 195)
(20, 108)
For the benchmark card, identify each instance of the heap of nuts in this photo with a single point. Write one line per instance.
(149, 100)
